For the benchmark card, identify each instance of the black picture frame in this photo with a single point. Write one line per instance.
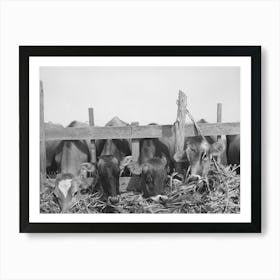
(25, 52)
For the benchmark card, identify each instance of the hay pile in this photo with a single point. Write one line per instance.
(47, 200)
(219, 193)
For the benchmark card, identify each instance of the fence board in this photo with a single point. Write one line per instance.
(219, 116)
(127, 132)
(135, 145)
(92, 142)
(180, 122)
(42, 136)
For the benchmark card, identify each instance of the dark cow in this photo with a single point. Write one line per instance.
(233, 150)
(156, 164)
(111, 152)
(154, 177)
(72, 158)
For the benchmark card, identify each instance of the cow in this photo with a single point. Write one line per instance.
(198, 153)
(233, 150)
(51, 146)
(110, 154)
(154, 177)
(73, 161)
(156, 164)
(158, 158)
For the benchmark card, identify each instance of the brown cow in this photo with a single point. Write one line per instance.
(111, 152)
(156, 164)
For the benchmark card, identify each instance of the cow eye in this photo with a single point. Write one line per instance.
(204, 156)
(149, 179)
(75, 193)
(56, 198)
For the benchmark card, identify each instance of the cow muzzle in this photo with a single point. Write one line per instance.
(113, 199)
(159, 198)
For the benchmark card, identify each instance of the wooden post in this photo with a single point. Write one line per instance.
(42, 138)
(135, 146)
(180, 122)
(219, 116)
(92, 141)
(222, 158)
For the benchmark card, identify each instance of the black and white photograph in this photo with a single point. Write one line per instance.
(138, 140)
(141, 138)
(172, 173)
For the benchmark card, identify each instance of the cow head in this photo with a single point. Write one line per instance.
(198, 153)
(109, 172)
(69, 188)
(67, 191)
(154, 176)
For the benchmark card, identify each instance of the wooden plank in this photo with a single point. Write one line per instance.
(219, 116)
(92, 141)
(78, 133)
(135, 145)
(128, 132)
(180, 122)
(214, 129)
(219, 112)
(42, 137)
(152, 131)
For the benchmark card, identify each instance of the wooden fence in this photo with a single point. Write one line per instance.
(135, 132)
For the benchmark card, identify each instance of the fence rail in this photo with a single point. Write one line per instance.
(136, 132)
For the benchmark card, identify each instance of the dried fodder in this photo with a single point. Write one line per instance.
(218, 193)
(47, 201)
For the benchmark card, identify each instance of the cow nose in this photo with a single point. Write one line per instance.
(84, 191)
(159, 198)
(113, 199)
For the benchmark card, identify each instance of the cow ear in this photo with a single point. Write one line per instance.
(86, 165)
(125, 161)
(58, 157)
(135, 167)
(115, 161)
(164, 160)
(58, 179)
(145, 168)
(217, 148)
(100, 162)
(179, 156)
(75, 184)
(83, 171)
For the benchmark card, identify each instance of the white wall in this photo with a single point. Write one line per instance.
(138, 256)
(69, 91)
